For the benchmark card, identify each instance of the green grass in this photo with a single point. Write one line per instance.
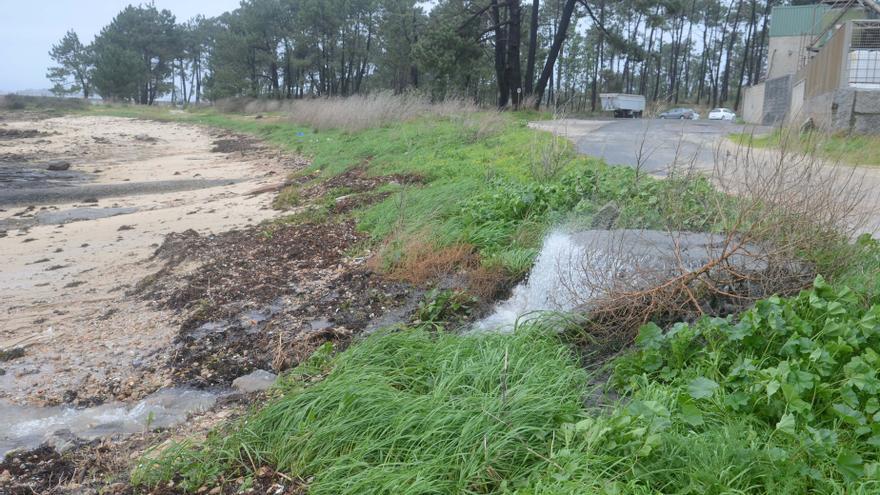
(781, 400)
(403, 412)
(852, 149)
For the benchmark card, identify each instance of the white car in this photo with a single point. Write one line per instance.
(722, 114)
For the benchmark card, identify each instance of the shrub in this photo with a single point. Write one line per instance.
(21, 102)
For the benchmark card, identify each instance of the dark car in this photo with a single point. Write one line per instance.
(680, 113)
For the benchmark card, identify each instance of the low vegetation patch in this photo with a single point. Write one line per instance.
(351, 114)
(45, 103)
(435, 183)
(781, 399)
(846, 148)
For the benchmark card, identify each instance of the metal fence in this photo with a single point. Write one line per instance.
(864, 54)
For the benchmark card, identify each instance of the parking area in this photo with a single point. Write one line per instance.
(657, 145)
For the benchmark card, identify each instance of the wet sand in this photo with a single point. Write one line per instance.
(73, 244)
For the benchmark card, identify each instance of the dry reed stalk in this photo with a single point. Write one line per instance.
(785, 215)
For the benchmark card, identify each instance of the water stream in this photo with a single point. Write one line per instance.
(573, 265)
(27, 427)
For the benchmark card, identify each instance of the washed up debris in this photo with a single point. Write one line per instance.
(58, 165)
(10, 354)
(20, 133)
(269, 188)
(146, 139)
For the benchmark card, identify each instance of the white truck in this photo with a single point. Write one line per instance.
(623, 105)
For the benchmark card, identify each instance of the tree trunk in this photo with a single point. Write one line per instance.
(687, 53)
(533, 48)
(717, 75)
(514, 71)
(564, 21)
(646, 65)
(704, 62)
(725, 80)
(760, 55)
(594, 96)
(745, 57)
(363, 68)
(500, 55)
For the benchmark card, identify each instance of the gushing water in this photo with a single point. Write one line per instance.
(26, 427)
(547, 288)
(572, 267)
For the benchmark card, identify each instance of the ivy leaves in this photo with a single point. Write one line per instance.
(702, 388)
(804, 366)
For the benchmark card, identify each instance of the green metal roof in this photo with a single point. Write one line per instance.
(797, 20)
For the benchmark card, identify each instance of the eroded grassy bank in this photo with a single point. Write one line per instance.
(778, 399)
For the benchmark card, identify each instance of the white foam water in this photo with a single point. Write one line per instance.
(548, 287)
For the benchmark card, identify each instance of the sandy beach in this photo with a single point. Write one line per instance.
(73, 242)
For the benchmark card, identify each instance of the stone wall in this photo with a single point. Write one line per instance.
(845, 110)
(856, 110)
(819, 109)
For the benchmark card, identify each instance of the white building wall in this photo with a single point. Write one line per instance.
(784, 54)
(753, 104)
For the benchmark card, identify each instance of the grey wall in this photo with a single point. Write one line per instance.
(846, 110)
(753, 103)
(857, 110)
(777, 99)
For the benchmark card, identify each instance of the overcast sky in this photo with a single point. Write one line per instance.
(28, 28)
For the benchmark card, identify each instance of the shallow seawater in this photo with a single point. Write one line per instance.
(26, 427)
(80, 214)
(30, 176)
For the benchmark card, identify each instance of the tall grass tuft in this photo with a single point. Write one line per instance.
(405, 412)
(353, 113)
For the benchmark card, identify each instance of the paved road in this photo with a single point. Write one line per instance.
(660, 143)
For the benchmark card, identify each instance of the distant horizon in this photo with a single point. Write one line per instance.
(28, 31)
